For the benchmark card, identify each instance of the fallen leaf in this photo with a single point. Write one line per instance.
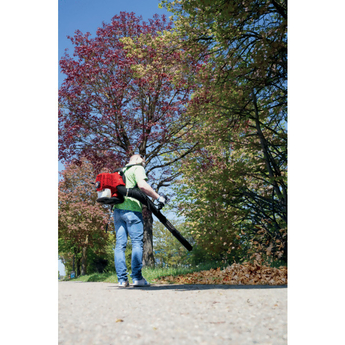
(236, 274)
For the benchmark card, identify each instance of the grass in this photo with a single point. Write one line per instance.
(156, 273)
(149, 273)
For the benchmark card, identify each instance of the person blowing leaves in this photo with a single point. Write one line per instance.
(128, 221)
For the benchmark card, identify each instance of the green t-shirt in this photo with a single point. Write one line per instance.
(133, 174)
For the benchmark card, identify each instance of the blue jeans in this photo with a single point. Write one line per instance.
(128, 223)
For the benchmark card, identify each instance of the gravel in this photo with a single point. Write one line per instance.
(103, 313)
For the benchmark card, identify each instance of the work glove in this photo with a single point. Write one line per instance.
(162, 201)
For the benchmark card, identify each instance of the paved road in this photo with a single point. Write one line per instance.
(102, 313)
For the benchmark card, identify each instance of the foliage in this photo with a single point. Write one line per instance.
(169, 252)
(236, 184)
(81, 221)
(246, 38)
(227, 201)
(119, 97)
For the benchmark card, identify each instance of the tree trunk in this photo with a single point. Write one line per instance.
(76, 263)
(148, 258)
(83, 258)
(77, 272)
(83, 262)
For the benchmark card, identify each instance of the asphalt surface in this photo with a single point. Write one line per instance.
(103, 313)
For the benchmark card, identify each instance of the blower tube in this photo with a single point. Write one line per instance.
(136, 193)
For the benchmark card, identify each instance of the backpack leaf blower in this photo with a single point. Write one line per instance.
(111, 189)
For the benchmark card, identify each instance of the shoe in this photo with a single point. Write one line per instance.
(141, 282)
(124, 284)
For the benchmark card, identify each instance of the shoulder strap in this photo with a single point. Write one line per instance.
(122, 171)
(125, 167)
(132, 165)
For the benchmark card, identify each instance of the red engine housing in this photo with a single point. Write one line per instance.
(110, 181)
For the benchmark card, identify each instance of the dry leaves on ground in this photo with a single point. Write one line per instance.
(236, 274)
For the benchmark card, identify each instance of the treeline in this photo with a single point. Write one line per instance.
(221, 144)
(233, 190)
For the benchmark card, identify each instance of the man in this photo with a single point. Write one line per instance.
(129, 221)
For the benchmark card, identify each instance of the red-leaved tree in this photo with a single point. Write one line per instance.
(124, 93)
(81, 221)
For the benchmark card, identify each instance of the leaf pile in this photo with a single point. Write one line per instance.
(236, 274)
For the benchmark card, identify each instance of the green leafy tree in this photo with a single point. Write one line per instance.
(241, 112)
(168, 251)
(227, 200)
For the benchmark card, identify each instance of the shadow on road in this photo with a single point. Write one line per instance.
(183, 287)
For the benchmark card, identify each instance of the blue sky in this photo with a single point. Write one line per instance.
(88, 15)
